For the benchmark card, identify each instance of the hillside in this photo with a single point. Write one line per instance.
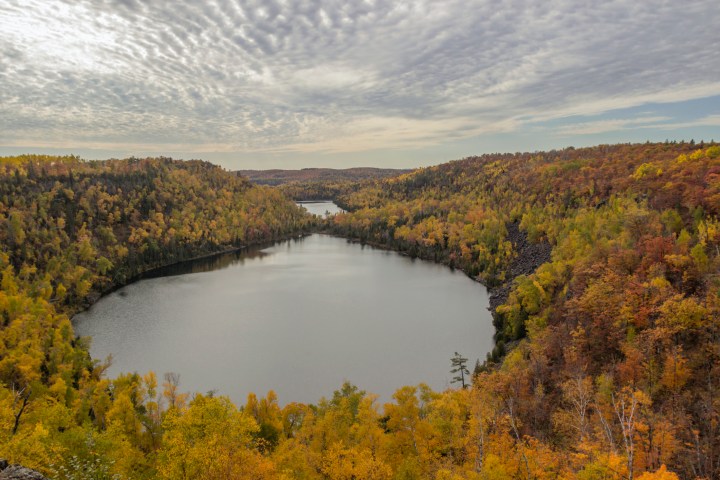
(98, 224)
(280, 177)
(318, 183)
(608, 325)
(616, 336)
(71, 230)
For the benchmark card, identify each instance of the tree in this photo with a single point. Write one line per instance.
(459, 364)
(627, 405)
(210, 439)
(660, 474)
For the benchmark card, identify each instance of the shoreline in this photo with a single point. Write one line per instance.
(94, 297)
(529, 257)
(225, 277)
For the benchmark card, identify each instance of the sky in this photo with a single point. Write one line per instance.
(324, 83)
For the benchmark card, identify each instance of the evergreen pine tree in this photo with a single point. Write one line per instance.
(459, 364)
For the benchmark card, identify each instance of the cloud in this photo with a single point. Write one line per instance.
(373, 133)
(661, 123)
(333, 76)
(612, 125)
(707, 121)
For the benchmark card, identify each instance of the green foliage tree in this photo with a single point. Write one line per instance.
(459, 369)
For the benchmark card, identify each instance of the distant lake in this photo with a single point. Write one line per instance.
(299, 317)
(320, 207)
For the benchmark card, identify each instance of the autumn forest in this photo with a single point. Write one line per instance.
(602, 263)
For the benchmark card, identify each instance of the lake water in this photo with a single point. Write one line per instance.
(299, 317)
(320, 207)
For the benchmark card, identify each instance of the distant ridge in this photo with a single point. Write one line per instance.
(279, 177)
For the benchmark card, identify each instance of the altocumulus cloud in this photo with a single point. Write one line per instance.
(330, 77)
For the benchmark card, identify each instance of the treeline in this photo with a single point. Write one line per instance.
(612, 375)
(319, 183)
(306, 175)
(616, 362)
(318, 190)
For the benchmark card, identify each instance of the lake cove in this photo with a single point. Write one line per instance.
(299, 317)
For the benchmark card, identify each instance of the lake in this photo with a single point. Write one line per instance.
(322, 208)
(299, 317)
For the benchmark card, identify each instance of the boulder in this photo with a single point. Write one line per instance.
(16, 472)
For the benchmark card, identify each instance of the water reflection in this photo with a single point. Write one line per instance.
(207, 264)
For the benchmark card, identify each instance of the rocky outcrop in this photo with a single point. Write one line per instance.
(529, 257)
(16, 472)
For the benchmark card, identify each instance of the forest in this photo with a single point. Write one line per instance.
(307, 175)
(607, 358)
(319, 183)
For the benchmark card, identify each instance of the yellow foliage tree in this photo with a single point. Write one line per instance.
(210, 439)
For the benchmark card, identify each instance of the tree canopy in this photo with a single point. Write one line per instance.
(609, 360)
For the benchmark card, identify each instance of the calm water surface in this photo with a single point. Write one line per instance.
(320, 207)
(299, 317)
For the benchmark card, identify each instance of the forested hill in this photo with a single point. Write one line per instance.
(319, 183)
(72, 229)
(615, 359)
(616, 366)
(279, 177)
(90, 225)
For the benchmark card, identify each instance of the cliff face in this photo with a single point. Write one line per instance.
(529, 256)
(17, 472)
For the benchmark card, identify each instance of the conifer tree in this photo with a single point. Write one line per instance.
(459, 364)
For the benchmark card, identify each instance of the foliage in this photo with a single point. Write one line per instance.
(612, 344)
(617, 332)
(72, 229)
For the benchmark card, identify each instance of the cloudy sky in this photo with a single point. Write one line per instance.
(290, 84)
